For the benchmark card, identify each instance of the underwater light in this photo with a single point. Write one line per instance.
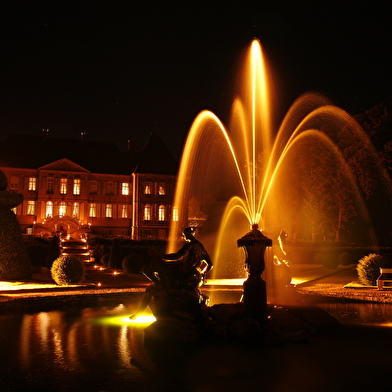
(142, 320)
(296, 281)
(225, 282)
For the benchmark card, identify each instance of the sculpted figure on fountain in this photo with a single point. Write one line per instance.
(176, 278)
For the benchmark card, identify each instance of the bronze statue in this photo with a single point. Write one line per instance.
(176, 274)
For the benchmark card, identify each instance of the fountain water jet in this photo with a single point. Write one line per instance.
(243, 177)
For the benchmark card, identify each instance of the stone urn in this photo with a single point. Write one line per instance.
(255, 292)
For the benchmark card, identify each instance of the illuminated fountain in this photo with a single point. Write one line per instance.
(250, 174)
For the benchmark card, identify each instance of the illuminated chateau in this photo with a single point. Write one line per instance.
(75, 187)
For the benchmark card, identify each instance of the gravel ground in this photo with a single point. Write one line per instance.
(344, 285)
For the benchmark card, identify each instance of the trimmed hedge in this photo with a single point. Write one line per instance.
(133, 263)
(105, 259)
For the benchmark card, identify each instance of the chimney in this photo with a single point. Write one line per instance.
(45, 133)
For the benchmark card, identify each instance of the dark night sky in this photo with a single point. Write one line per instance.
(120, 70)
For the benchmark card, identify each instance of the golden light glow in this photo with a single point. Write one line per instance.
(142, 320)
(224, 282)
(15, 285)
(388, 325)
(295, 281)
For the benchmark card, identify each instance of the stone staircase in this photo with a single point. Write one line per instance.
(76, 247)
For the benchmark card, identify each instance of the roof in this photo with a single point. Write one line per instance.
(64, 165)
(31, 151)
(156, 158)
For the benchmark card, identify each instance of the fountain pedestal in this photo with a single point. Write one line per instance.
(255, 292)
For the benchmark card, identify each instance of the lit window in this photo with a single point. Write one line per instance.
(14, 183)
(50, 185)
(31, 207)
(93, 210)
(147, 190)
(49, 209)
(62, 209)
(125, 188)
(147, 212)
(175, 214)
(109, 187)
(161, 213)
(76, 186)
(32, 184)
(93, 187)
(124, 211)
(75, 210)
(161, 190)
(63, 186)
(109, 210)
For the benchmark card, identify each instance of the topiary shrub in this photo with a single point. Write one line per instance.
(105, 259)
(67, 269)
(14, 259)
(368, 267)
(132, 264)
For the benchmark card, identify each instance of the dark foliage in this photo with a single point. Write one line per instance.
(38, 252)
(115, 258)
(133, 263)
(54, 251)
(14, 259)
(105, 259)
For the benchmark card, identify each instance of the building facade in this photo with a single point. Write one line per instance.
(152, 201)
(79, 195)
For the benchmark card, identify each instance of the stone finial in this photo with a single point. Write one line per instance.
(255, 236)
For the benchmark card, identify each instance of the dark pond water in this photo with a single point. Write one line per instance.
(98, 349)
(71, 349)
(365, 314)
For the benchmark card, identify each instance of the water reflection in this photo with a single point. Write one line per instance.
(354, 313)
(58, 350)
(99, 349)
